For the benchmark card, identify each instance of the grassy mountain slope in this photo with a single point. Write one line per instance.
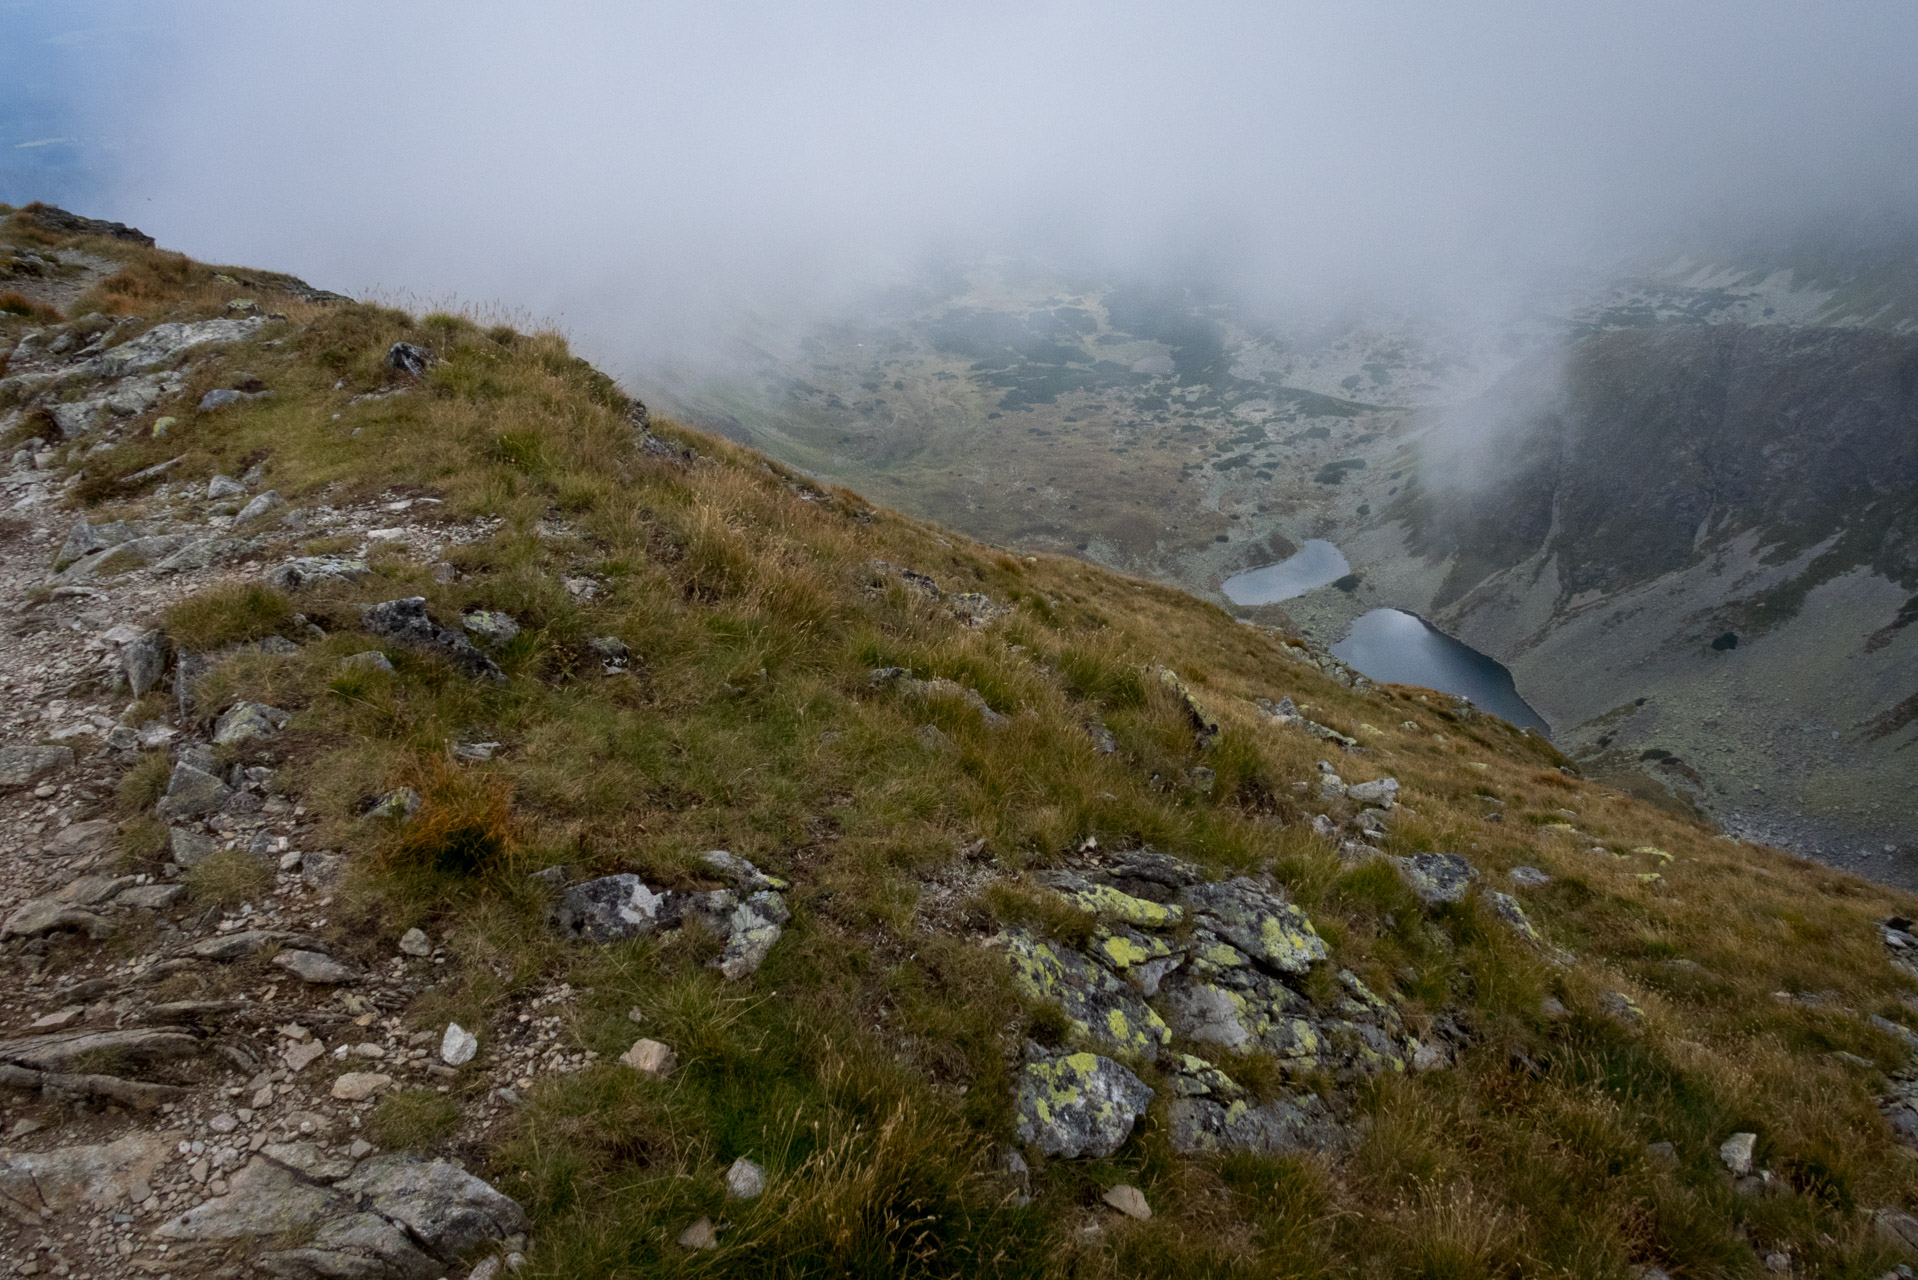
(870, 1064)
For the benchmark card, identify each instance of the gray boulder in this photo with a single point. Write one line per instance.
(407, 621)
(45, 915)
(404, 357)
(1529, 877)
(97, 1179)
(245, 720)
(1203, 1125)
(368, 660)
(193, 790)
(1078, 1105)
(260, 506)
(446, 1209)
(1436, 877)
(607, 909)
(144, 661)
(24, 766)
(1384, 793)
(224, 487)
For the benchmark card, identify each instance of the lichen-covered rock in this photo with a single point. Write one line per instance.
(1436, 877)
(1109, 903)
(1078, 1105)
(607, 909)
(1270, 930)
(1127, 951)
(751, 932)
(490, 625)
(1194, 1077)
(1097, 1004)
(1247, 1011)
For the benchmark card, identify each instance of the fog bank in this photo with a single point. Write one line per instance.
(646, 176)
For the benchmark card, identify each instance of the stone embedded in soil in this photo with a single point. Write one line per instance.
(745, 1180)
(407, 621)
(1129, 1200)
(304, 572)
(490, 625)
(700, 1235)
(1436, 877)
(608, 909)
(22, 766)
(367, 660)
(458, 1045)
(100, 1178)
(190, 848)
(311, 966)
(246, 720)
(650, 1057)
(298, 1057)
(144, 661)
(1736, 1152)
(358, 1086)
(399, 803)
(414, 942)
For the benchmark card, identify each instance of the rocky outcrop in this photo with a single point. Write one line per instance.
(1215, 962)
(397, 1216)
(407, 622)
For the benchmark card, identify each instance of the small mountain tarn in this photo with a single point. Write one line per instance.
(1316, 564)
(1395, 647)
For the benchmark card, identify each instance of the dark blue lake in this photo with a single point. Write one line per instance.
(1392, 646)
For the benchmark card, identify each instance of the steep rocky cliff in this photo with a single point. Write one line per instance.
(1697, 548)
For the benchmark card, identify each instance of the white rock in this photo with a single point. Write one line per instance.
(650, 1057)
(414, 942)
(458, 1045)
(1736, 1152)
(745, 1180)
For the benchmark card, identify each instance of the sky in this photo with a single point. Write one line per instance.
(645, 175)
